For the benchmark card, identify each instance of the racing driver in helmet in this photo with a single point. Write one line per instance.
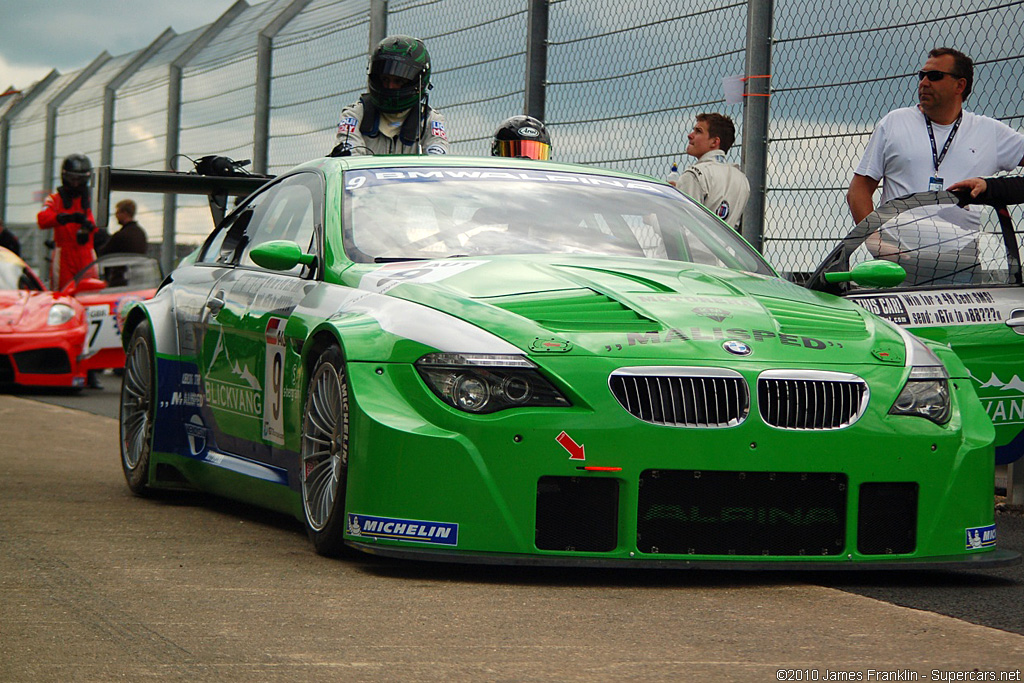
(67, 212)
(393, 117)
(522, 136)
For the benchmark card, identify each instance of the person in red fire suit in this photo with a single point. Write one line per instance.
(68, 213)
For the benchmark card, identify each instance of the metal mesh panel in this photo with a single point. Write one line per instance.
(741, 513)
(319, 67)
(218, 105)
(887, 518)
(80, 120)
(25, 155)
(627, 80)
(477, 54)
(140, 127)
(837, 72)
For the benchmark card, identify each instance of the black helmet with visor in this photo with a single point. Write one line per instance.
(76, 171)
(523, 137)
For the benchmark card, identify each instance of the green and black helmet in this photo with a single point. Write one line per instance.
(399, 73)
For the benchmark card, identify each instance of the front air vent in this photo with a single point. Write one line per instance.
(682, 396)
(810, 400)
(574, 310)
(801, 317)
(51, 361)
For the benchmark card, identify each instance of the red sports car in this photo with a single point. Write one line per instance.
(54, 338)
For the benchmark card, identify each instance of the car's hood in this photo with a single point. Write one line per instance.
(642, 308)
(22, 311)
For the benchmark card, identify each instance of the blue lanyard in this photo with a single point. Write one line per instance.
(936, 157)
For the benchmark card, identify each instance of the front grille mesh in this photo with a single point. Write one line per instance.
(683, 397)
(741, 513)
(812, 401)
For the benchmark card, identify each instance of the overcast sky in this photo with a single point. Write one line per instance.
(66, 35)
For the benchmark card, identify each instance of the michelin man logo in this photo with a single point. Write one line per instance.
(981, 537)
(353, 526)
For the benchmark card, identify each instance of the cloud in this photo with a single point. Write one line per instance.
(67, 34)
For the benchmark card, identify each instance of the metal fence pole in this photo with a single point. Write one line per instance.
(168, 249)
(5, 133)
(110, 93)
(264, 72)
(755, 116)
(378, 23)
(536, 58)
(52, 107)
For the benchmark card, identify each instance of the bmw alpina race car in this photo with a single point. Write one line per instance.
(508, 361)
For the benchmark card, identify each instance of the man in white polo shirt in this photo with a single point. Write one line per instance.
(936, 143)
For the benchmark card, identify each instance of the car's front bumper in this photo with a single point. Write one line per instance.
(884, 493)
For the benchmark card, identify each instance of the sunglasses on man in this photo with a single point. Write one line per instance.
(934, 75)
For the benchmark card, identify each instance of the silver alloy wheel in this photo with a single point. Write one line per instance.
(324, 444)
(137, 404)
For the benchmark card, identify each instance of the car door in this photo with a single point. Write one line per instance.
(963, 289)
(243, 350)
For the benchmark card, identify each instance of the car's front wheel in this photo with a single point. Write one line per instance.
(325, 454)
(138, 392)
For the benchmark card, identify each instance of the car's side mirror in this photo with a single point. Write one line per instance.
(86, 284)
(877, 273)
(280, 255)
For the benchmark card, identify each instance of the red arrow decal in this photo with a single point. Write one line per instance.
(576, 451)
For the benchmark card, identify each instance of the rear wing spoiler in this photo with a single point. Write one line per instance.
(217, 187)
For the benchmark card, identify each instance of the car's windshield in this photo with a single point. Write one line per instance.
(424, 213)
(14, 275)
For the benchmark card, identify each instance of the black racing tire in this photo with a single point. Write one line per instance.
(138, 405)
(324, 454)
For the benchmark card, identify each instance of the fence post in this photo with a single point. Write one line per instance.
(264, 59)
(110, 93)
(378, 23)
(536, 58)
(168, 249)
(5, 133)
(52, 107)
(755, 116)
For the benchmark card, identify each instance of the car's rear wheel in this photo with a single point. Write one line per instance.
(138, 392)
(325, 454)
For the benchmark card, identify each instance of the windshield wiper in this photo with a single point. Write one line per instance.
(397, 259)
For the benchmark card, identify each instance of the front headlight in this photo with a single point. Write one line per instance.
(926, 394)
(486, 383)
(59, 314)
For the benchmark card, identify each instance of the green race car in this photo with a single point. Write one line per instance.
(508, 361)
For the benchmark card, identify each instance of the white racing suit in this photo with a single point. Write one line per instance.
(718, 185)
(363, 129)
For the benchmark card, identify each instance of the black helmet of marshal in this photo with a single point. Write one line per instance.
(76, 171)
(521, 136)
(404, 58)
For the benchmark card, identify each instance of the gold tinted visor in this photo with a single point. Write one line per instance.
(529, 149)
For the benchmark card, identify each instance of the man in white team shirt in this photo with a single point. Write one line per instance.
(712, 181)
(936, 143)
